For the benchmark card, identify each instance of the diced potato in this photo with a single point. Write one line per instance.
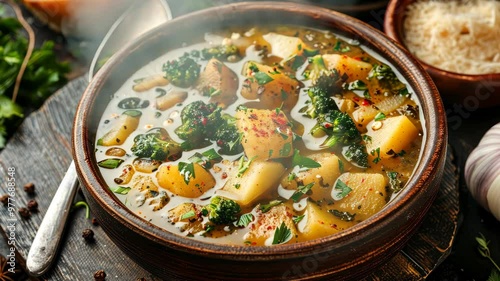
(270, 85)
(367, 197)
(267, 134)
(160, 201)
(264, 226)
(284, 46)
(145, 185)
(144, 165)
(364, 114)
(323, 177)
(170, 178)
(185, 217)
(127, 123)
(245, 188)
(150, 82)
(319, 223)
(219, 82)
(353, 68)
(126, 175)
(170, 99)
(346, 105)
(394, 136)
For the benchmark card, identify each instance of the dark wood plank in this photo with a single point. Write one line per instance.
(40, 153)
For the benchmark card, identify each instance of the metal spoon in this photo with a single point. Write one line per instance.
(139, 18)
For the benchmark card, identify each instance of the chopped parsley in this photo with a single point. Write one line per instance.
(301, 190)
(245, 220)
(266, 207)
(380, 116)
(304, 162)
(341, 190)
(282, 234)
(187, 171)
(376, 152)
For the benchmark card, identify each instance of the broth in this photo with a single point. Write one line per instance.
(289, 134)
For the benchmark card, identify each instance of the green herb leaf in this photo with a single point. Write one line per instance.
(187, 171)
(367, 138)
(341, 190)
(110, 163)
(357, 85)
(245, 220)
(84, 204)
(394, 181)
(188, 215)
(206, 158)
(133, 113)
(301, 190)
(345, 216)
(303, 162)
(265, 208)
(262, 78)
(376, 152)
(244, 165)
(380, 116)
(123, 190)
(282, 234)
(297, 219)
(494, 276)
(285, 150)
(341, 166)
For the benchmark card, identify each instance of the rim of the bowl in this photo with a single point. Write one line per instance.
(393, 27)
(435, 140)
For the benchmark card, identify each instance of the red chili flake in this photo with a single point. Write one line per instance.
(327, 125)
(204, 121)
(253, 116)
(224, 175)
(357, 58)
(321, 222)
(365, 103)
(362, 180)
(334, 226)
(356, 99)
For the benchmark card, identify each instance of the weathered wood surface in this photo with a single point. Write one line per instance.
(40, 153)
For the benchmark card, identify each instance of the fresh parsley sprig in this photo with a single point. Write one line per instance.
(485, 252)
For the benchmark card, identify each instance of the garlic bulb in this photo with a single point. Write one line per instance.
(482, 171)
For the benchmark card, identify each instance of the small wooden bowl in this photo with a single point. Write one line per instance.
(350, 254)
(468, 91)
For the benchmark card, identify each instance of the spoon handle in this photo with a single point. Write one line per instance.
(49, 234)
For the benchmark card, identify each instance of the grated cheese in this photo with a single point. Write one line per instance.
(459, 36)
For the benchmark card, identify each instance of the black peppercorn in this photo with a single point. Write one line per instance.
(95, 222)
(32, 205)
(88, 235)
(100, 275)
(29, 188)
(4, 199)
(25, 213)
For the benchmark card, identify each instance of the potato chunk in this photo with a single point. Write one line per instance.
(219, 82)
(148, 83)
(319, 222)
(127, 123)
(186, 218)
(284, 46)
(395, 135)
(270, 85)
(255, 181)
(170, 178)
(354, 69)
(323, 177)
(170, 99)
(267, 134)
(367, 197)
(264, 226)
(145, 165)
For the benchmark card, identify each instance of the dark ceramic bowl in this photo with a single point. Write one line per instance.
(468, 91)
(346, 255)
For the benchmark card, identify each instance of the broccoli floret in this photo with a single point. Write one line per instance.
(356, 153)
(156, 144)
(221, 210)
(227, 136)
(316, 68)
(328, 84)
(388, 79)
(199, 122)
(221, 52)
(182, 72)
(339, 128)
